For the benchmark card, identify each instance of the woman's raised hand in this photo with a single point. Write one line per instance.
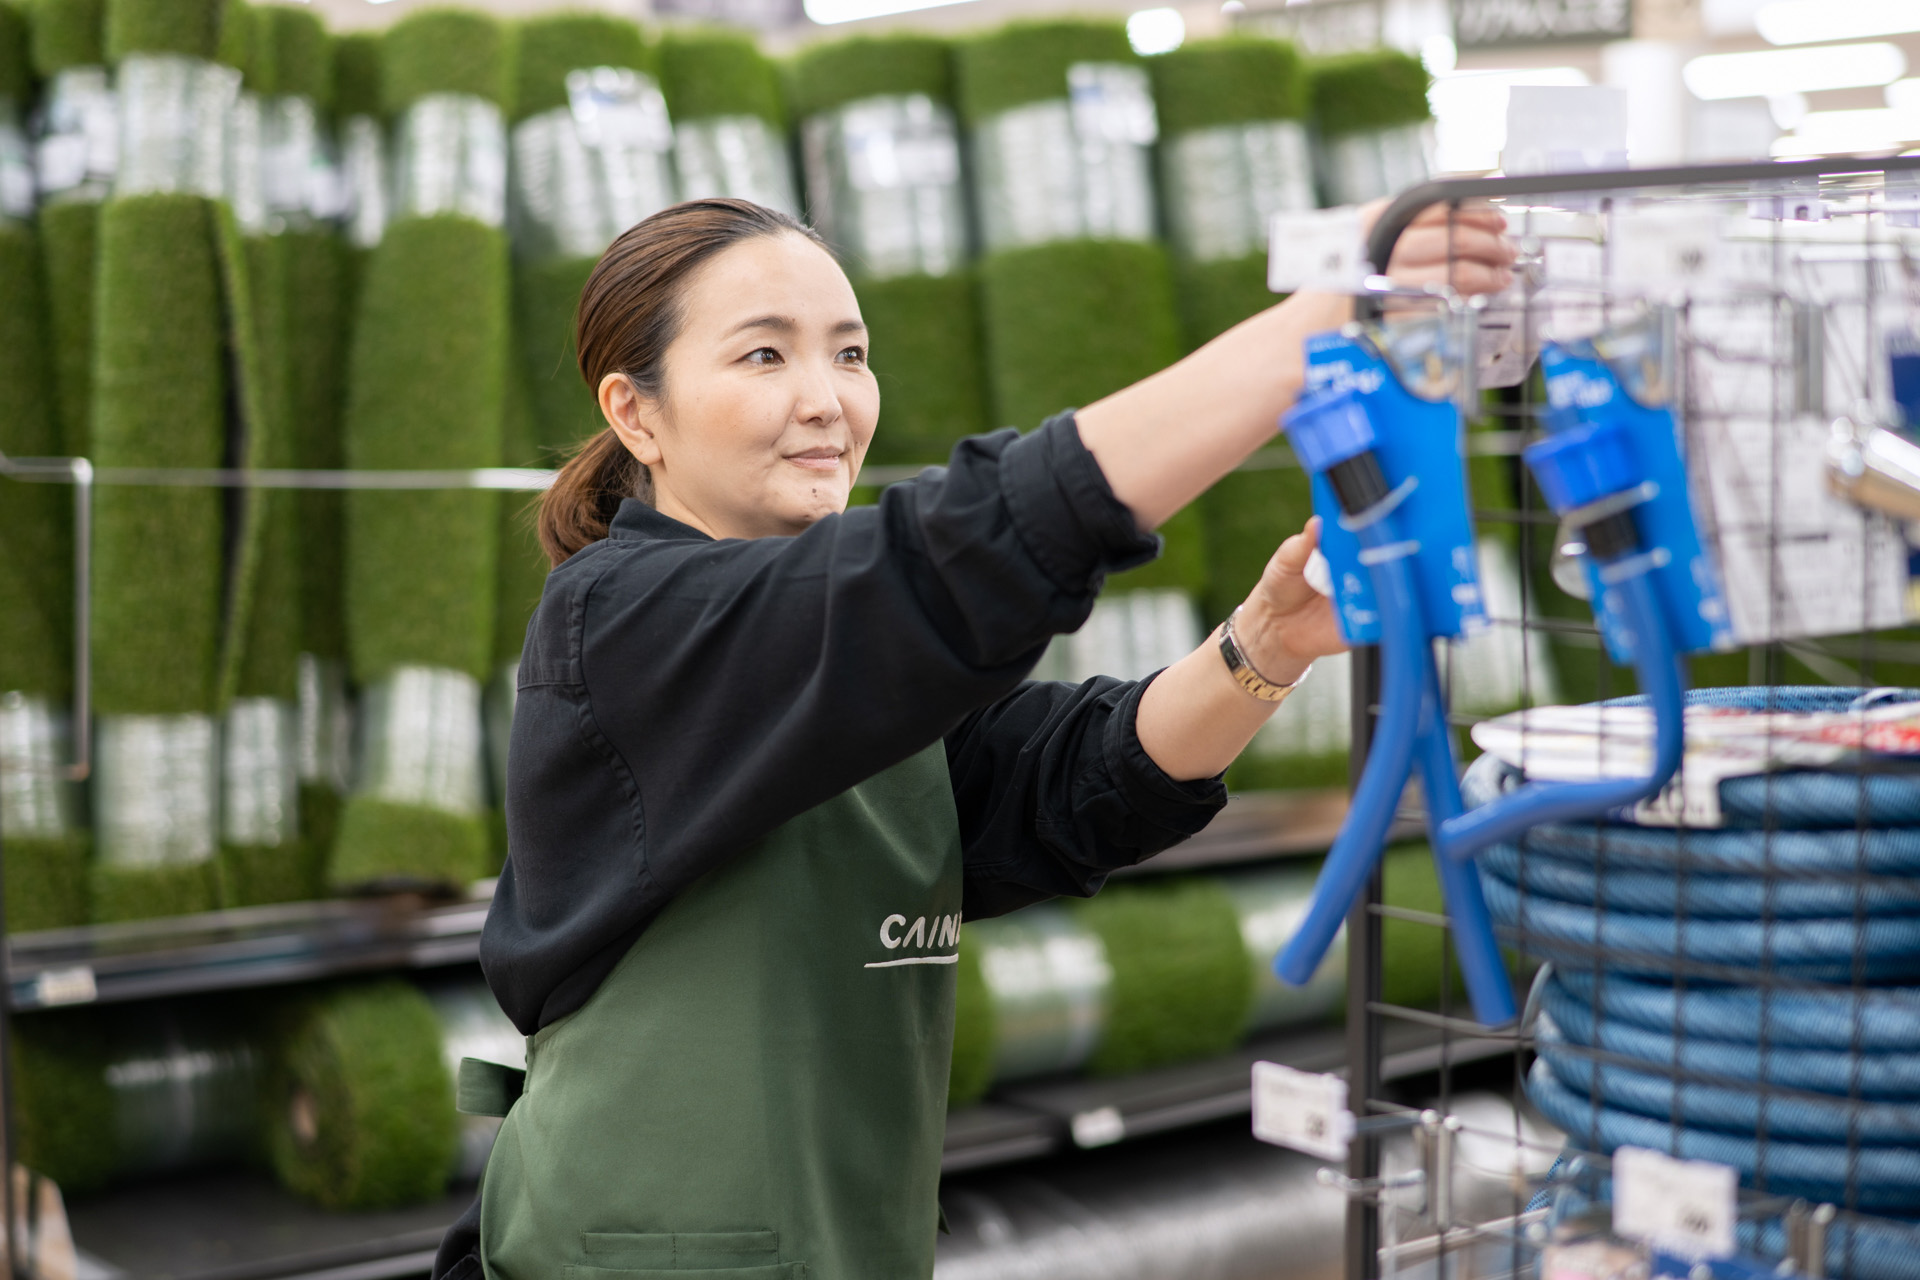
(1285, 624)
(1466, 248)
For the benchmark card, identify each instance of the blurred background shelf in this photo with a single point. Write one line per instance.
(240, 1226)
(305, 941)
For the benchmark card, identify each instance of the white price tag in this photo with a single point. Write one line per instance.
(1682, 1207)
(1301, 1110)
(1322, 249)
(1101, 1127)
(53, 987)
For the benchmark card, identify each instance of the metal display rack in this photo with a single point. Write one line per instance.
(1826, 261)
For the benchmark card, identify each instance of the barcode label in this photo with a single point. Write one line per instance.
(1682, 1207)
(1319, 250)
(1301, 1110)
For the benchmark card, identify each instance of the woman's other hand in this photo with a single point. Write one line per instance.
(1285, 624)
(1466, 248)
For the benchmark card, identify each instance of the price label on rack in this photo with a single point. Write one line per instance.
(1683, 1207)
(1301, 1110)
(1324, 249)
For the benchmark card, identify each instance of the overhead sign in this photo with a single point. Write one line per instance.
(1481, 24)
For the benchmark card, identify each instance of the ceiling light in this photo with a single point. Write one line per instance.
(1774, 71)
(1847, 132)
(1904, 95)
(1810, 21)
(1470, 113)
(1152, 31)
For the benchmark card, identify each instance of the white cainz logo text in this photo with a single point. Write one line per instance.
(924, 932)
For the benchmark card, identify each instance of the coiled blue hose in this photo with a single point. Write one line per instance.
(1874, 1019)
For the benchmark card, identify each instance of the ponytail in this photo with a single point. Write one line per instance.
(579, 506)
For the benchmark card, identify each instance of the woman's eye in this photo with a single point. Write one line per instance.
(854, 355)
(763, 356)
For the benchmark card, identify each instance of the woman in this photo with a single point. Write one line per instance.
(769, 752)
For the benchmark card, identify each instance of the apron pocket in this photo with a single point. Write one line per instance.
(721, 1255)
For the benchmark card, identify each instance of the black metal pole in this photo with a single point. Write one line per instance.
(1363, 992)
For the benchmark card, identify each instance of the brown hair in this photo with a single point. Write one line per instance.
(630, 313)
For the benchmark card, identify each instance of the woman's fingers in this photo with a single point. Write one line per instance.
(1471, 256)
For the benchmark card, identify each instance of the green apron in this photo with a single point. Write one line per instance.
(758, 1090)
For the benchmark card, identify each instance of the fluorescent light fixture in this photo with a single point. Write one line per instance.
(1152, 31)
(1847, 132)
(1773, 71)
(1470, 113)
(1811, 21)
(828, 12)
(1904, 95)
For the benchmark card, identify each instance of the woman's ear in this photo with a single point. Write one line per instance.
(633, 417)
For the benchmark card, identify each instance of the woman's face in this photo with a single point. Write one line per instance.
(768, 405)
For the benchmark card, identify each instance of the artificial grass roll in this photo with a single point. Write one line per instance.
(562, 406)
(46, 855)
(926, 353)
(728, 137)
(1371, 112)
(1068, 323)
(1373, 90)
(67, 33)
(69, 235)
(160, 399)
(973, 1027)
(1271, 902)
(427, 384)
(356, 83)
(833, 73)
(360, 1108)
(1414, 972)
(551, 45)
(102, 1097)
(430, 350)
(314, 264)
(1025, 62)
(1181, 984)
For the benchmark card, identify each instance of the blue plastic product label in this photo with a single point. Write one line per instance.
(1415, 438)
(1583, 385)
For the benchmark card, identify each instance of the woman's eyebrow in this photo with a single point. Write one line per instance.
(785, 324)
(850, 326)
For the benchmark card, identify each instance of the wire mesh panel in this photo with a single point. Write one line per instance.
(1728, 971)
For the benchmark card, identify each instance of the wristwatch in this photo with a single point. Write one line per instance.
(1243, 673)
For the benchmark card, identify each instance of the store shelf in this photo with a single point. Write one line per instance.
(239, 1226)
(300, 942)
(252, 947)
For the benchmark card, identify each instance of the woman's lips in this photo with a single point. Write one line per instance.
(817, 459)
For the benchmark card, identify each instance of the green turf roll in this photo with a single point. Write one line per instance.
(523, 575)
(1046, 982)
(356, 83)
(68, 54)
(359, 114)
(1025, 62)
(925, 334)
(192, 28)
(16, 63)
(428, 363)
(160, 392)
(360, 1104)
(1181, 982)
(46, 850)
(103, 1097)
(728, 122)
(1068, 323)
(1413, 956)
(1371, 112)
(1215, 296)
(1234, 152)
(566, 210)
(973, 1027)
(835, 72)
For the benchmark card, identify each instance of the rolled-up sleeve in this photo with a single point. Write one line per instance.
(1055, 791)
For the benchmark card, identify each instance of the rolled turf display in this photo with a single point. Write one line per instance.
(360, 1102)
(1233, 153)
(45, 846)
(729, 132)
(160, 396)
(880, 148)
(429, 358)
(101, 1097)
(1076, 295)
(359, 117)
(1375, 130)
(75, 149)
(292, 287)
(591, 148)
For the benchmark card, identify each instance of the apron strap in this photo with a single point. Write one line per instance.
(488, 1088)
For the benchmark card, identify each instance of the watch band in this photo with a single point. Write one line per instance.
(1243, 671)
